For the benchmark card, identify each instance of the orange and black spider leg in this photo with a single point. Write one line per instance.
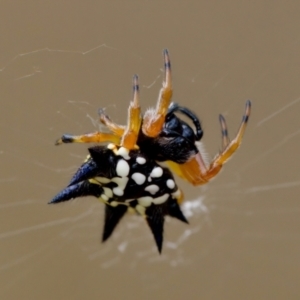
(230, 147)
(224, 132)
(95, 137)
(130, 135)
(195, 170)
(154, 120)
(106, 120)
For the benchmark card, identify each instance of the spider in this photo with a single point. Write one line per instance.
(126, 173)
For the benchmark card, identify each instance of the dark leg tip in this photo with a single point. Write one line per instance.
(135, 81)
(167, 59)
(101, 111)
(222, 119)
(65, 139)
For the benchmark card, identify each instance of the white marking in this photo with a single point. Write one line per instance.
(145, 201)
(139, 178)
(122, 168)
(131, 210)
(108, 192)
(102, 179)
(156, 172)
(111, 146)
(94, 181)
(149, 179)
(124, 153)
(161, 199)
(118, 192)
(129, 200)
(170, 184)
(104, 197)
(140, 209)
(152, 189)
(121, 182)
(114, 203)
(87, 158)
(177, 194)
(140, 160)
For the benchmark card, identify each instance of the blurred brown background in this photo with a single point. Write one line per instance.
(60, 62)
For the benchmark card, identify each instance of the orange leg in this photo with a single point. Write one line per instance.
(130, 135)
(155, 119)
(118, 131)
(96, 137)
(106, 120)
(195, 170)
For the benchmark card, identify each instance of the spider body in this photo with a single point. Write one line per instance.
(176, 141)
(126, 174)
(125, 179)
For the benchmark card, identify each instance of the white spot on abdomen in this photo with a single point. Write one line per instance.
(102, 179)
(111, 146)
(177, 195)
(152, 189)
(104, 197)
(161, 199)
(124, 153)
(118, 192)
(122, 168)
(140, 209)
(156, 172)
(139, 178)
(145, 201)
(170, 184)
(121, 182)
(140, 160)
(108, 192)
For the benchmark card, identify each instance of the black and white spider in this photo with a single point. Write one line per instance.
(126, 174)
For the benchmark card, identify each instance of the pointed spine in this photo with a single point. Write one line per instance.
(112, 217)
(155, 219)
(80, 189)
(86, 171)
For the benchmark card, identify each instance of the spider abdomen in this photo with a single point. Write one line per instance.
(132, 177)
(124, 179)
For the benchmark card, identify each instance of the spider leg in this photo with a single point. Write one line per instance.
(95, 137)
(230, 147)
(195, 170)
(155, 119)
(130, 135)
(106, 120)
(224, 132)
(117, 132)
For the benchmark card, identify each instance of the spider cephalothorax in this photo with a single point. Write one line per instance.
(126, 173)
(176, 141)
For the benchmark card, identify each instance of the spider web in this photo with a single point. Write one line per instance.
(78, 221)
(35, 170)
